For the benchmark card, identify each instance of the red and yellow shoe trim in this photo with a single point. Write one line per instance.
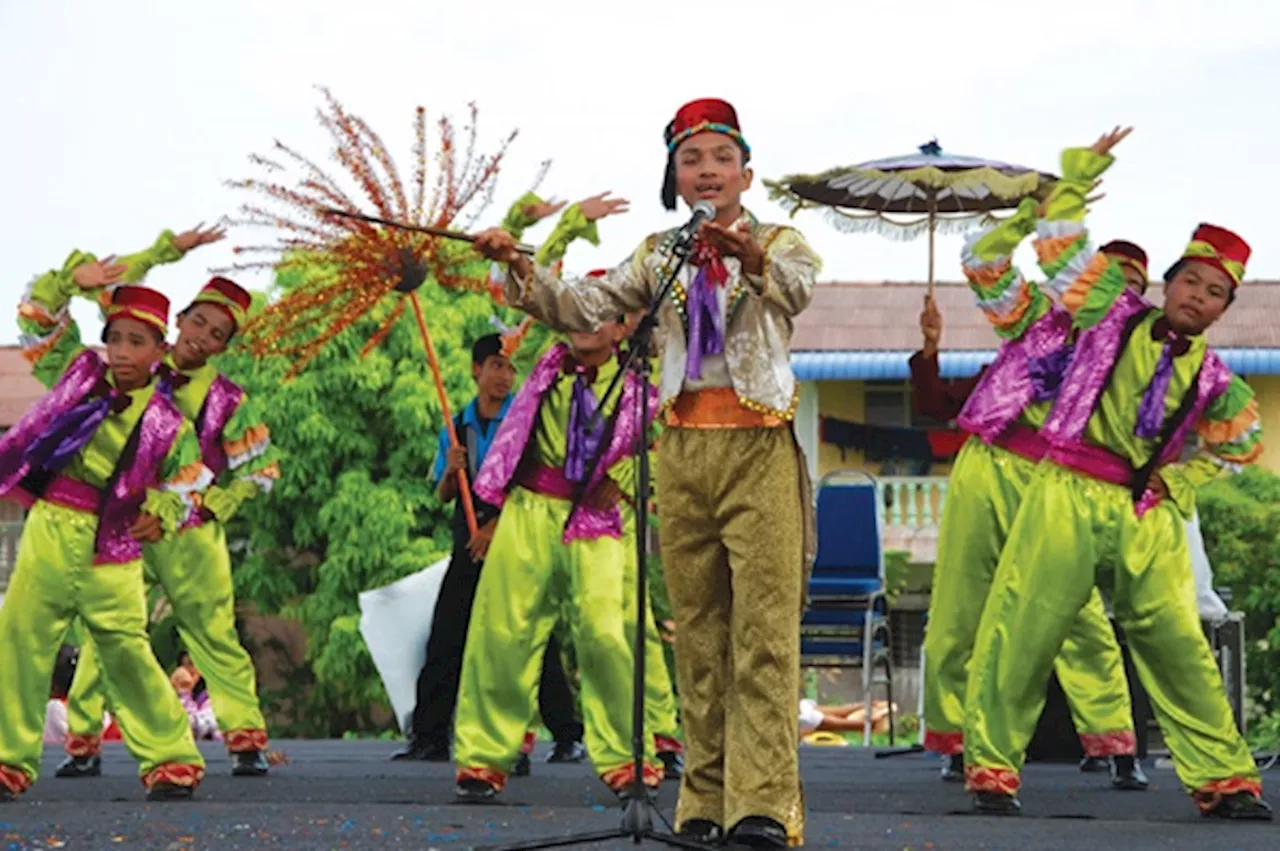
(945, 743)
(980, 778)
(667, 744)
(1209, 796)
(82, 746)
(14, 779)
(175, 773)
(1118, 743)
(245, 741)
(621, 777)
(496, 779)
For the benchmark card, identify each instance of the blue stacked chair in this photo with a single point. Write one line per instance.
(847, 623)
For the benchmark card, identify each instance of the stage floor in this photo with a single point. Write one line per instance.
(347, 795)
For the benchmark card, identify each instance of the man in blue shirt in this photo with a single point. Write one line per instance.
(476, 427)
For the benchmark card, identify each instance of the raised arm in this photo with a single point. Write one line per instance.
(253, 462)
(1083, 279)
(1010, 302)
(50, 337)
(573, 225)
(581, 305)
(1230, 436)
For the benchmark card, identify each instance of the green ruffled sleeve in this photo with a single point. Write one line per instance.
(1010, 302)
(518, 219)
(140, 263)
(50, 337)
(1230, 436)
(183, 479)
(1086, 281)
(571, 226)
(253, 462)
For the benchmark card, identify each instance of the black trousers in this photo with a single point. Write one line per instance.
(438, 681)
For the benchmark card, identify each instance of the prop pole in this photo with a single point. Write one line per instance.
(464, 488)
(440, 232)
(933, 226)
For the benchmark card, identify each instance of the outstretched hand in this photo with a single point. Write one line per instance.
(99, 273)
(147, 529)
(736, 242)
(541, 210)
(1107, 141)
(198, 236)
(599, 206)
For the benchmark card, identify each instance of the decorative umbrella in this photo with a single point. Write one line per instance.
(388, 254)
(933, 190)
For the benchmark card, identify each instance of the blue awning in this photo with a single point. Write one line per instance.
(892, 366)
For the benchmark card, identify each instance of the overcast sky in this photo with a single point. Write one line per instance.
(123, 118)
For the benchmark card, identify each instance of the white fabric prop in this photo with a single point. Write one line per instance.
(395, 621)
(1211, 606)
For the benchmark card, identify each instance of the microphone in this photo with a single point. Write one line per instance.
(702, 211)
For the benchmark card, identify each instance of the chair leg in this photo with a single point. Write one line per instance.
(888, 687)
(868, 669)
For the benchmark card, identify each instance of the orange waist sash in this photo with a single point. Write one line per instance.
(717, 407)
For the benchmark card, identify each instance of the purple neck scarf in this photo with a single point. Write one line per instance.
(581, 442)
(1151, 411)
(70, 431)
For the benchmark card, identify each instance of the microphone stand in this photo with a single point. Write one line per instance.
(639, 812)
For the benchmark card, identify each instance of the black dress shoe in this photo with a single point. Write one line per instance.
(996, 804)
(80, 766)
(522, 768)
(672, 765)
(567, 752)
(472, 791)
(953, 768)
(164, 791)
(758, 832)
(1094, 765)
(1127, 774)
(1242, 806)
(422, 752)
(701, 830)
(249, 764)
(7, 797)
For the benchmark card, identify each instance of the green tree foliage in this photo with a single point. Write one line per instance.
(355, 508)
(1240, 519)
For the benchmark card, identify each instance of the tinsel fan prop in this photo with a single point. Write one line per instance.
(905, 197)
(405, 241)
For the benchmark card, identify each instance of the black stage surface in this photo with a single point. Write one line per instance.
(347, 795)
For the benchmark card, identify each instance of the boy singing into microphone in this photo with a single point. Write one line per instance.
(736, 504)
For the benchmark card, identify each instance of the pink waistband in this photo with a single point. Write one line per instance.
(73, 493)
(1094, 462)
(1023, 441)
(548, 481)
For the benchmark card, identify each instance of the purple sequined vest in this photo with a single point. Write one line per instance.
(1027, 370)
(137, 469)
(215, 412)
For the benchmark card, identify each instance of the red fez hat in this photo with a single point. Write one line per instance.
(1129, 254)
(228, 295)
(708, 115)
(140, 303)
(1218, 247)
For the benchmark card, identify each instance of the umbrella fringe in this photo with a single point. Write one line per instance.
(1005, 186)
(904, 231)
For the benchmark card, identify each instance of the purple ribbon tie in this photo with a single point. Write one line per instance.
(706, 324)
(582, 441)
